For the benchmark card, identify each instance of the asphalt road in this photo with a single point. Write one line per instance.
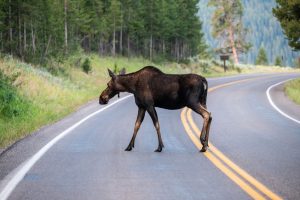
(90, 161)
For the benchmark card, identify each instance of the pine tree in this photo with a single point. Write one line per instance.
(278, 61)
(261, 58)
(287, 12)
(36, 30)
(228, 27)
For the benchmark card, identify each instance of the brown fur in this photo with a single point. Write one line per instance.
(152, 88)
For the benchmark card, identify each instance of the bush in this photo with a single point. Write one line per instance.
(86, 66)
(116, 69)
(55, 68)
(11, 104)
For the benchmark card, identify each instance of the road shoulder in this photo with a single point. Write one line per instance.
(280, 99)
(14, 155)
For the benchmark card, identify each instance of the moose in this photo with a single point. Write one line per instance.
(153, 88)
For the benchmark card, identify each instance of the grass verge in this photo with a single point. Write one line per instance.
(40, 95)
(292, 90)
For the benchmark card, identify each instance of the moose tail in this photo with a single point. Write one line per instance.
(203, 94)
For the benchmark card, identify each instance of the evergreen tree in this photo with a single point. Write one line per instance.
(261, 58)
(288, 14)
(228, 27)
(278, 61)
(36, 30)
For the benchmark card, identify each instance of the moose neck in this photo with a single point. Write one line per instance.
(128, 82)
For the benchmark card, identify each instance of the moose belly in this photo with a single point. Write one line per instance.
(172, 102)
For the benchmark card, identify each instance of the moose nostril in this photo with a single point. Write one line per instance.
(103, 99)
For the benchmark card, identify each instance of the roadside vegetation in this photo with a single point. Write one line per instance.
(292, 90)
(54, 54)
(32, 96)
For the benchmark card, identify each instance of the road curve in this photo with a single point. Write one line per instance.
(90, 162)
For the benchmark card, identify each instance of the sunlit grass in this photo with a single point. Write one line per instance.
(51, 97)
(292, 89)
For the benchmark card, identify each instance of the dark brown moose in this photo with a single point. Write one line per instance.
(152, 88)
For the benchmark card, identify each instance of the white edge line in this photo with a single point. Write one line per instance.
(273, 104)
(19, 175)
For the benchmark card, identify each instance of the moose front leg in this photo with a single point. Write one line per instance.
(139, 120)
(152, 112)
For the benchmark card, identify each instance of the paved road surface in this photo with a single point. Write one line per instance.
(90, 162)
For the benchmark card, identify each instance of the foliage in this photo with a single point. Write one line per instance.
(261, 57)
(36, 30)
(292, 89)
(116, 69)
(228, 27)
(11, 104)
(288, 14)
(278, 61)
(49, 98)
(86, 66)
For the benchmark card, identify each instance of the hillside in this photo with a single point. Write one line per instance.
(264, 28)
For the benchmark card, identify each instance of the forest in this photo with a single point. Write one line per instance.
(35, 30)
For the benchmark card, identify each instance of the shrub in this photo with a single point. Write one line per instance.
(116, 69)
(11, 104)
(86, 66)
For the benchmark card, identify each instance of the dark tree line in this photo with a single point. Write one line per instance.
(35, 30)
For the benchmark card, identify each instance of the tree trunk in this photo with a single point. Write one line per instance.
(128, 45)
(114, 39)
(20, 34)
(48, 44)
(121, 40)
(24, 39)
(163, 47)
(234, 52)
(10, 27)
(1, 37)
(99, 45)
(32, 38)
(66, 26)
(150, 47)
(46, 50)
(177, 49)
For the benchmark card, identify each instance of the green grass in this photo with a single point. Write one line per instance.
(47, 93)
(292, 90)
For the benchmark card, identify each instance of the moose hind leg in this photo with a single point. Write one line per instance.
(206, 115)
(139, 120)
(153, 115)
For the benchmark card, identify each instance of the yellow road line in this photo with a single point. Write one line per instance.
(250, 191)
(230, 83)
(219, 155)
(231, 164)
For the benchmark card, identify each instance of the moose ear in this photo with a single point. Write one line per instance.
(111, 74)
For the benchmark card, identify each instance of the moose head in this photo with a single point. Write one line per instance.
(113, 87)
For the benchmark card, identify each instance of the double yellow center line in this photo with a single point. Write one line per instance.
(245, 181)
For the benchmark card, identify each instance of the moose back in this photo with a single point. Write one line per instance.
(152, 88)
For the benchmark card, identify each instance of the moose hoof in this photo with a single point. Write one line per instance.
(159, 149)
(204, 148)
(129, 148)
